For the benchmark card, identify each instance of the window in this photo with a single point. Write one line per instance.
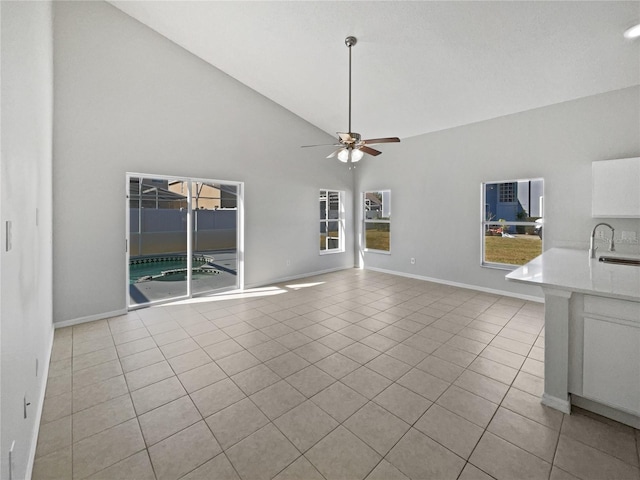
(331, 221)
(507, 192)
(377, 220)
(512, 222)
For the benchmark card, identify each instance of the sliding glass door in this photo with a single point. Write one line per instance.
(215, 235)
(183, 237)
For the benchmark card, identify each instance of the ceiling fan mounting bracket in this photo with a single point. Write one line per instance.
(350, 41)
(356, 136)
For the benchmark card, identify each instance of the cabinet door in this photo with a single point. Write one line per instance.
(612, 364)
(615, 188)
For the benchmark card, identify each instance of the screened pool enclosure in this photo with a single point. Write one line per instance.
(183, 237)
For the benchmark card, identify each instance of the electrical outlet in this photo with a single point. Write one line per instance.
(628, 237)
(413, 261)
(600, 235)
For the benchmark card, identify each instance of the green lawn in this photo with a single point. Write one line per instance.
(377, 240)
(513, 251)
(323, 239)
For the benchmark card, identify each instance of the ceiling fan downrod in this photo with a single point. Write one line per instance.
(350, 41)
(352, 146)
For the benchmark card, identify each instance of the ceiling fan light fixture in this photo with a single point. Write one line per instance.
(633, 32)
(356, 155)
(343, 155)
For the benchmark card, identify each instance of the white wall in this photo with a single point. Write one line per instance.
(435, 181)
(25, 185)
(128, 99)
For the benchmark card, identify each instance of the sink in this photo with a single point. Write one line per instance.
(620, 260)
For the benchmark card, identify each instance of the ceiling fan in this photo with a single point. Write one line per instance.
(352, 147)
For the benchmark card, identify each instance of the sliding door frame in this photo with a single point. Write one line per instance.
(239, 236)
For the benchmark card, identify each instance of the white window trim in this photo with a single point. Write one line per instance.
(484, 223)
(365, 221)
(340, 220)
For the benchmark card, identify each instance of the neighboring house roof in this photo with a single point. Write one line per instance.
(373, 199)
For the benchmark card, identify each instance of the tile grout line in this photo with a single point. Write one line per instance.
(332, 383)
(397, 304)
(486, 429)
(555, 451)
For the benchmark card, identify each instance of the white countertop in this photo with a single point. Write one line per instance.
(572, 270)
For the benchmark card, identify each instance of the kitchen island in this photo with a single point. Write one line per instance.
(592, 332)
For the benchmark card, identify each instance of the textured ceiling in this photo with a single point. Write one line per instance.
(418, 66)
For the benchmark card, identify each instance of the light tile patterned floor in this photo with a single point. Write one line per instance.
(349, 375)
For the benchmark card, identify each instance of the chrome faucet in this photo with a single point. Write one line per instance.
(592, 249)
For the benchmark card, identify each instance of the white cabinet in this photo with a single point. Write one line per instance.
(616, 188)
(611, 365)
(592, 333)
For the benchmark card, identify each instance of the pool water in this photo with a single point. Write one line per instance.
(140, 270)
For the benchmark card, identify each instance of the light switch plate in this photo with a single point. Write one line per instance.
(8, 240)
(13, 444)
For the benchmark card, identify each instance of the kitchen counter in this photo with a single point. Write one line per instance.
(592, 332)
(573, 270)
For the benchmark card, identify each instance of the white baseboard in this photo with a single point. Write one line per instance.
(554, 402)
(100, 316)
(295, 277)
(124, 311)
(493, 291)
(606, 411)
(36, 431)
(89, 318)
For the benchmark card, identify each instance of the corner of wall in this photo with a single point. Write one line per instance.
(26, 130)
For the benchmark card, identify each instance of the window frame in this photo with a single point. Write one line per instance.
(485, 224)
(327, 220)
(382, 220)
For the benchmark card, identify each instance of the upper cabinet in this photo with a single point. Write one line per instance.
(616, 188)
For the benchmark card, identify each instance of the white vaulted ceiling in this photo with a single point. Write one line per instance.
(418, 66)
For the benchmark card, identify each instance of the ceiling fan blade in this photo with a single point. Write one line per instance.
(321, 145)
(333, 154)
(370, 151)
(373, 141)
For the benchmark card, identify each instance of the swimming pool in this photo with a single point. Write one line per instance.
(169, 267)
